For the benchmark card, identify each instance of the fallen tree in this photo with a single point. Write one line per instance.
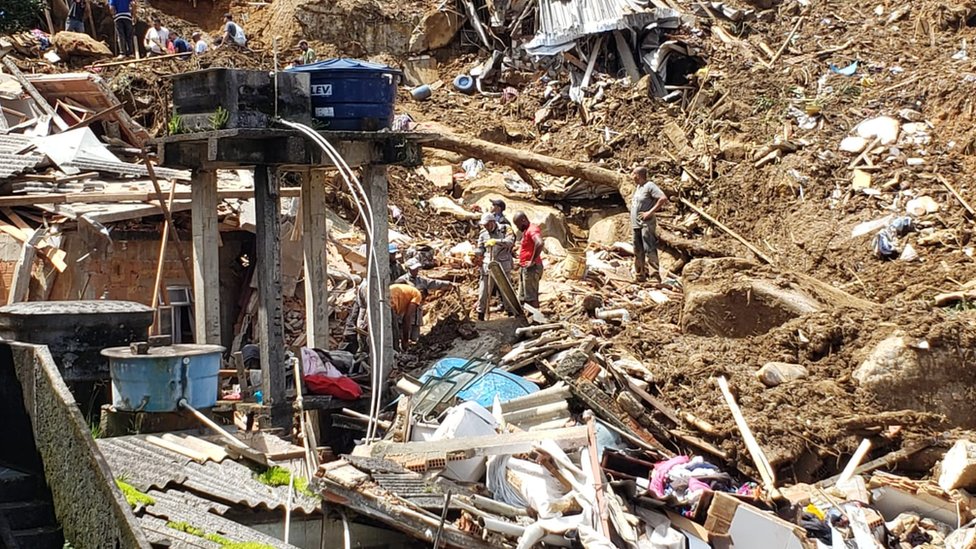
(519, 159)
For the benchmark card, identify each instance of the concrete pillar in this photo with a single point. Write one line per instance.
(206, 265)
(375, 183)
(314, 237)
(267, 206)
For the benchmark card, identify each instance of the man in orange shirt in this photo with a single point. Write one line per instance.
(404, 302)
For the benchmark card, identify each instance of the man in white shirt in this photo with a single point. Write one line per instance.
(233, 33)
(156, 38)
(199, 45)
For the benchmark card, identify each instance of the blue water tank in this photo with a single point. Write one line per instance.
(352, 95)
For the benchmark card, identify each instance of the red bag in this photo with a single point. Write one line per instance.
(342, 388)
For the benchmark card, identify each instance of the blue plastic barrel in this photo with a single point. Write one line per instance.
(352, 95)
(157, 381)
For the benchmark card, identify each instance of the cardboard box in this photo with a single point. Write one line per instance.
(749, 527)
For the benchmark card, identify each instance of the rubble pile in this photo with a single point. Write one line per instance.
(801, 378)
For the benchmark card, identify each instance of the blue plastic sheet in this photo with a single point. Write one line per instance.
(495, 381)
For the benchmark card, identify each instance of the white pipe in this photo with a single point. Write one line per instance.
(516, 531)
(539, 413)
(346, 538)
(555, 393)
(376, 352)
(291, 488)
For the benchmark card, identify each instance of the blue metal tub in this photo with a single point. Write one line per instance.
(155, 382)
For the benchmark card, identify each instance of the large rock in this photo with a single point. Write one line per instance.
(610, 230)
(731, 297)
(76, 44)
(550, 220)
(938, 376)
(436, 30)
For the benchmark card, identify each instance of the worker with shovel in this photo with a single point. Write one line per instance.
(496, 241)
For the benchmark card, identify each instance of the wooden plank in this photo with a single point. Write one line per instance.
(314, 239)
(758, 456)
(102, 115)
(270, 314)
(955, 193)
(727, 230)
(20, 285)
(484, 445)
(34, 94)
(626, 56)
(375, 183)
(206, 264)
(120, 197)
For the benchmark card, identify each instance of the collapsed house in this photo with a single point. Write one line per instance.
(741, 404)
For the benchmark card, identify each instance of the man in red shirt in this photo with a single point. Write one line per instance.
(530, 259)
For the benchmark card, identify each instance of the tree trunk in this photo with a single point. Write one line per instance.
(488, 151)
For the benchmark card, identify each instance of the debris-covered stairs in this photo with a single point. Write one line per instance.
(26, 512)
(27, 517)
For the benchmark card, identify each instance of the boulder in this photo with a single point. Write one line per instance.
(436, 30)
(77, 44)
(550, 220)
(958, 469)
(937, 376)
(610, 230)
(777, 373)
(731, 297)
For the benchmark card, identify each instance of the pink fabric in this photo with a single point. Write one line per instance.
(660, 474)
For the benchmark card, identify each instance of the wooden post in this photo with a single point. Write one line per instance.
(375, 184)
(20, 285)
(267, 206)
(314, 237)
(206, 267)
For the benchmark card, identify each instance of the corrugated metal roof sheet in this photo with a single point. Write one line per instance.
(13, 164)
(125, 168)
(147, 466)
(212, 524)
(563, 21)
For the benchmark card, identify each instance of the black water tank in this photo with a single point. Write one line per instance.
(77, 331)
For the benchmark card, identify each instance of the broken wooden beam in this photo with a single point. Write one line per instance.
(485, 445)
(727, 230)
(493, 152)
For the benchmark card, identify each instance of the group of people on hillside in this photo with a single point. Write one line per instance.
(497, 243)
(160, 40)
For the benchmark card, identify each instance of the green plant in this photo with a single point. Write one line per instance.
(175, 125)
(96, 430)
(279, 476)
(219, 118)
(133, 496)
(216, 538)
(16, 15)
(763, 104)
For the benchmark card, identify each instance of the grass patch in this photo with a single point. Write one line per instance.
(279, 476)
(133, 496)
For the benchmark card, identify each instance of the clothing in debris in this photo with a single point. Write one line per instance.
(124, 33)
(493, 245)
(396, 270)
(76, 16)
(645, 241)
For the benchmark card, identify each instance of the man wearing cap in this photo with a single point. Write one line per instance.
(425, 285)
(498, 210)
(495, 241)
(396, 269)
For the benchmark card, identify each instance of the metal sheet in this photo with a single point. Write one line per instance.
(561, 22)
